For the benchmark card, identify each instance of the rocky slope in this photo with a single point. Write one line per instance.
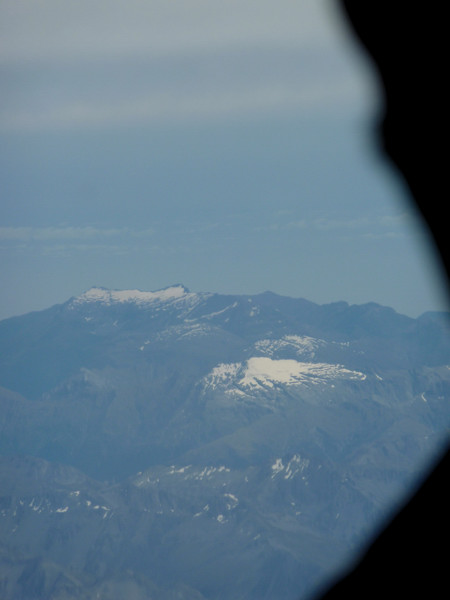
(174, 444)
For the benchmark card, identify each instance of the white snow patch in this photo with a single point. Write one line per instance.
(145, 480)
(301, 345)
(219, 312)
(173, 470)
(232, 501)
(223, 374)
(232, 497)
(277, 467)
(294, 466)
(142, 298)
(209, 471)
(262, 371)
(198, 475)
(193, 330)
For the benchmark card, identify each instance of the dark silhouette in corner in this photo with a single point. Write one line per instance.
(409, 557)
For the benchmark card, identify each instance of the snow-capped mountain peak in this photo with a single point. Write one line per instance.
(261, 372)
(108, 297)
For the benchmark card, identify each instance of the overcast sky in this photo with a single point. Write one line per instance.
(226, 145)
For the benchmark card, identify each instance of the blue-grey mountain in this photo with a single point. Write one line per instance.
(173, 444)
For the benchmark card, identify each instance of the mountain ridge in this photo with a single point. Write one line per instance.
(213, 446)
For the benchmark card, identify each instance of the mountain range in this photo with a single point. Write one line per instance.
(199, 446)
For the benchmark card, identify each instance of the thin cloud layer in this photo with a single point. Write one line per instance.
(87, 64)
(68, 242)
(51, 30)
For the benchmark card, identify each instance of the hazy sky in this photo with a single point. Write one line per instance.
(226, 145)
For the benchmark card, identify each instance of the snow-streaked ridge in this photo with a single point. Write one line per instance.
(265, 372)
(302, 345)
(109, 297)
